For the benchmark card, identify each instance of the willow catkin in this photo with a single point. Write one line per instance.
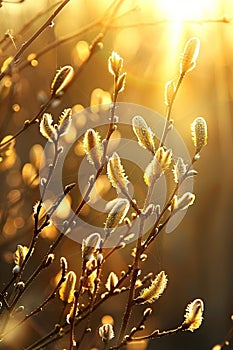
(112, 281)
(64, 121)
(164, 157)
(182, 202)
(106, 332)
(90, 245)
(20, 254)
(115, 64)
(179, 170)
(93, 147)
(194, 315)
(160, 163)
(169, 92)
(154, 291)
(189, 55)
(199, 133)
(117, 213)
(46, 127)
(61, 80)
(116, 174)
(144, 134)
(120, 84)
(66, 292)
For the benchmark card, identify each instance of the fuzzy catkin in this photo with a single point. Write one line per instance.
(155, 290)
(116, 174)
(66, 291)
(193, 315)
(61, 80)
(199, 133)
(144, 134)
(189, 55)
(117, 213)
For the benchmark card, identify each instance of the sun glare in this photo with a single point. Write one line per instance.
(180, 10)
(180, 13)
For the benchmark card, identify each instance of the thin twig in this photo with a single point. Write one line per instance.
(33, 37)
(28, 24)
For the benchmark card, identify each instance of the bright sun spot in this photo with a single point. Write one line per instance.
(179, 10)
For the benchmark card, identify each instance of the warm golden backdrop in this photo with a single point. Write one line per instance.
(149, 35)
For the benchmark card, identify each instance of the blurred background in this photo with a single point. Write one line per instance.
(150, 36)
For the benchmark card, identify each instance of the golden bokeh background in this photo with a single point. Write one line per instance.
(149, 35)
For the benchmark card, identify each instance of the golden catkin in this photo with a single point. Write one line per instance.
(189, 55)
(106, 332)
(164, 157)
(117, 213)
(93, 147)
(20, 254)
(169, 92)
(182, 202)
(46, 127)
(91, 281)
(64, 121)
(179, 170)
(90, 245)
(155, 290)
(160, 163)
(64, 265)
(115, 64)
(199, 133)
(194, 315)
(112, 281)
(144, 134)
(66, 292)
(61, 80)
(116, 174)
(120, 84)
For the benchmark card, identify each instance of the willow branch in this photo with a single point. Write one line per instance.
(33, 37)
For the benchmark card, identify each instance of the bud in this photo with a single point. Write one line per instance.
(169, 92)
(64, 265)
(106, 332)
(193, 316)
(111, 281)
(64, 121)
(15, 270)
(70, 316)
(144, 134)
(61, 80)
(90, 245)
(199, 133)
(183, 202)
(189, 55)
(154, 291)
(115, 64)
(20, 254)
(217, 347)
(92, 281)
(46, 128)
(20, 285)
(19, 309)
(49, 260)
(66, 292)
(179, 170)
(116, 174)
(147, 312)
(120, 84)
(160, 163)
(93, 147)
(117, 213)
